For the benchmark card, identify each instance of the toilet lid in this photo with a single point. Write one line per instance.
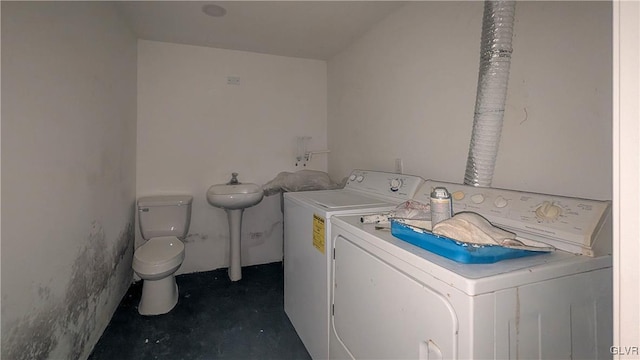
(159, 249)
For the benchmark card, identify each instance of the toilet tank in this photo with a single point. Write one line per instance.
(166, 215)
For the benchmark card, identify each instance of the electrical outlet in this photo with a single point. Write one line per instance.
(399, 166)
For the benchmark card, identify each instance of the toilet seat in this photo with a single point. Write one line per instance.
(158, 254)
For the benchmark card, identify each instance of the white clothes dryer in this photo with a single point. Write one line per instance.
(393, 300)
(308, 249)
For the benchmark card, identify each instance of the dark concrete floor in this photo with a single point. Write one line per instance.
(214, 319)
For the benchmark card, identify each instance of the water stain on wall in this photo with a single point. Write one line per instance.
(66, 326)
(272, 228)
(195, 237)
(257, 238)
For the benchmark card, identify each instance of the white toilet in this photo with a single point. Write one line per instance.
(163, 220)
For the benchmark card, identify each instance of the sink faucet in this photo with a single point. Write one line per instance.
(234, 179)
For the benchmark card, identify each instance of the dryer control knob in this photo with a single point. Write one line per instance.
(458, 195)
(548, 211)
(477, 198)
(352, 177)
(395, 184)
(500, 202)
(359, 178)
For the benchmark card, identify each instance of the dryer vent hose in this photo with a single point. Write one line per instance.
(493, 77)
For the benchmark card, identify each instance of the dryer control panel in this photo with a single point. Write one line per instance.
(396, 186)
(575, 225)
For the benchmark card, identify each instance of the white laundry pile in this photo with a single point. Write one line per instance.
(472, 228)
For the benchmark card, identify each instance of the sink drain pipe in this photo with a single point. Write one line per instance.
(493, 77)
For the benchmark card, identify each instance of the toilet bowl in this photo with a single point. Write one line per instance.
(156, 262)
(163, 220)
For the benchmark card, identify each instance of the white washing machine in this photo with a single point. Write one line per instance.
(307, 245)
(393, 300)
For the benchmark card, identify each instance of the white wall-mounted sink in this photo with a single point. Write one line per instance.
(234, 196)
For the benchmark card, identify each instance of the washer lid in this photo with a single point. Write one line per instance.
(159, 249)
(336, 199)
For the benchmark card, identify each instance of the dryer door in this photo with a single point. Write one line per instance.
(381, 313)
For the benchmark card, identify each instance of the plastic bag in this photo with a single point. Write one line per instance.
(303, 180)
(410, 210)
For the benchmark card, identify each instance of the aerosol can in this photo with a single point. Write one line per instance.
(441, 205)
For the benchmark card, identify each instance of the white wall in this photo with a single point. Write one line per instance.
(194, 130)
(68, 174)
(407, 90)
(626, 178)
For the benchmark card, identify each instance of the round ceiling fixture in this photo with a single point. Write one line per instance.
(214, 10)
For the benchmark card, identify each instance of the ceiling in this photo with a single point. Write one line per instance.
(305, 29)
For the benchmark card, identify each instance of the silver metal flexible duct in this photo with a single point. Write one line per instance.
(495, 59)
